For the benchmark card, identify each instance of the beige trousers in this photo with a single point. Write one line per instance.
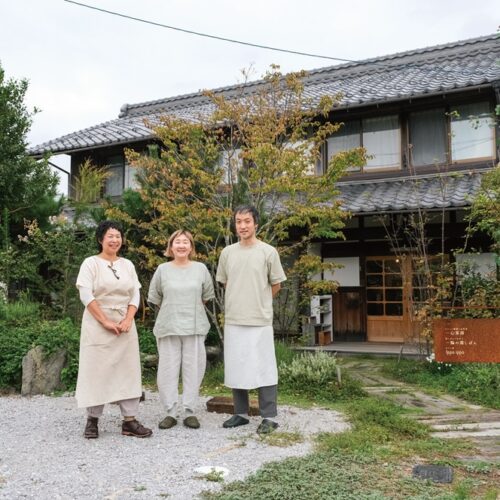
(128, 407)
(175, 351)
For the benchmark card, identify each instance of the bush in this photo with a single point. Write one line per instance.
(18, 336)
(315, 375)
(476, 382)
(147, 340)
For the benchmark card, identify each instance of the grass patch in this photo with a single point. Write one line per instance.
(282, 439)
(374, 460)
(475, 382)
(213, 381)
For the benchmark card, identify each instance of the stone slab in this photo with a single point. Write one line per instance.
(467, 427)
(436, 473)
(467, 434)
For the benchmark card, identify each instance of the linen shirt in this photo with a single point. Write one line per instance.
(248, 273)
(179, 292)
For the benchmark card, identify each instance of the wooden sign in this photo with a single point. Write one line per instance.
(467, 340)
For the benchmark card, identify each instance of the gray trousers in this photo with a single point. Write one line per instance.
(268, 401)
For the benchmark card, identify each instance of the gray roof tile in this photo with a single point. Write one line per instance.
(407, 194)
(437, 69)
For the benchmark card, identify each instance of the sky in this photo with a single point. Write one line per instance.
(83, 65)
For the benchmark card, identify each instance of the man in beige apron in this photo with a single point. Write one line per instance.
(251, 272)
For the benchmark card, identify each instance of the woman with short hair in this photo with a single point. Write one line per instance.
(109, 368)
(178, 291)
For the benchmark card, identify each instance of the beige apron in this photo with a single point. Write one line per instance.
(109, 366)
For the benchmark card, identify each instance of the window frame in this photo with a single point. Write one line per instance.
(362, 127)
(114, 164)
(448, 110)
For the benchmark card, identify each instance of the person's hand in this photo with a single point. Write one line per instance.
(112, 327)
(125, 324)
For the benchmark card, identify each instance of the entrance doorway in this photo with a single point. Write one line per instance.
(349, 314)
(388, 291)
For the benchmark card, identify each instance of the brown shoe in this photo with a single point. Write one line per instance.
(136, 429)
(191, 422)
(91, 430)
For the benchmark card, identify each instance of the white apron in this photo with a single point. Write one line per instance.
(109, 366)
(249, 359)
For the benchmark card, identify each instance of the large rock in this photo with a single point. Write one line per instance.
(41, 372)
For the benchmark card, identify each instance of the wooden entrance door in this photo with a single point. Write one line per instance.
(349, 314)
(388, 287)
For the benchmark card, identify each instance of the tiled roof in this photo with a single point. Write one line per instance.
(410, 193)
(438, 69)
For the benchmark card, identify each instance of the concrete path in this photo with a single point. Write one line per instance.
(448, 416)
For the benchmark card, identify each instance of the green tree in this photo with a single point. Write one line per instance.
(485, 209)
(27, 187)
(261, 148)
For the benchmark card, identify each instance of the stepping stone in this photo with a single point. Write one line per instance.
(466, 434)
(465, 427)
(436, 473)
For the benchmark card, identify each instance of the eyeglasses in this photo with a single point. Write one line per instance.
(115, 272)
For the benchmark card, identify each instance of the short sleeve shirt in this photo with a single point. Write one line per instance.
(179, 292)
(248, 273)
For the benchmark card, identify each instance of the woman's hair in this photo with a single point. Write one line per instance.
(103, 228)
(173, 236)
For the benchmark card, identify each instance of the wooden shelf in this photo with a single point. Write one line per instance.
(321, 319)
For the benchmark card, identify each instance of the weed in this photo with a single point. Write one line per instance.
(478, 467)
(283, 439)
(492, 494)
(214, 476)
(214, 377)
(463, 489)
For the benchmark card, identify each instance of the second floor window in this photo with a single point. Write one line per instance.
(115, 181)
(472, 132)
(379, 136)
(121, 176)
(428, 137)
(438, 137)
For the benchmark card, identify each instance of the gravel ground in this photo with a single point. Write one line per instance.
(43, 453)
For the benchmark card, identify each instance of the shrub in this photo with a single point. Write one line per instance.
(315, 375)
(17, 312)
(476, 382)
(17, 337)
(147, 340)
